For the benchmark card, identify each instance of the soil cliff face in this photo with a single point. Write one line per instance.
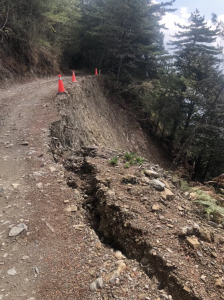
(89, 117)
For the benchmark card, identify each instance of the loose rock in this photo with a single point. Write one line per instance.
(16, 230)
(167, 194)
(158, 185)
(12, 272)
(151, 173)
(193, 242)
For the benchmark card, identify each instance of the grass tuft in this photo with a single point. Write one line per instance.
(133, 159)
(209, 204)
(113, 161)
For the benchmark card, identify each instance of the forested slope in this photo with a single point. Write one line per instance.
(178, 97)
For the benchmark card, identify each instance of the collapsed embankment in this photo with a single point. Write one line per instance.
(90, 117)
(136, 209)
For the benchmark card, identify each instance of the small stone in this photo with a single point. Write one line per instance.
(187, 230)
(219, 282)
(36, 270)
(221, 240)
(16, 230)
(129, 179)
(145, 180)
(39, 185)
(151, 173)
(25, 257)
(187, 289)
(92, 272)
(119, 255)
(142, 296)
(167, 194)
(170, 225)
(93, 286)
(15, 185)
(74, 208)
(158, 185)
(193, 242)
(205, 235)
(50, 226)
(166, 184)
(213, 254)
(99, 282)
(192, 196)
(25, 143)
(52, 169)
(121, 267)
(203, 277)
(66, 201)
(12, 272)
(180, 208)
(155, 207)
(98, 245)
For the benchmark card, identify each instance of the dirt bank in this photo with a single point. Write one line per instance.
(90, 117)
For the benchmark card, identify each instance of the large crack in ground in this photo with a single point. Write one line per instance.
(115, 224)
(129, 214)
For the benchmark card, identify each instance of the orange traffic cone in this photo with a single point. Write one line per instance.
(96, 73)
(73, 77)
(61, 88)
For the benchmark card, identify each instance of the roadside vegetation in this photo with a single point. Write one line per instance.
(210, 202)
(177, 95)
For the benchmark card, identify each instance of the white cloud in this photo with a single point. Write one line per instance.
(181, 17)
(221, 18)
(170, 19)
(184, 14)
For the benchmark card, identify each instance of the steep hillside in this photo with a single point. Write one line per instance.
(90, 117)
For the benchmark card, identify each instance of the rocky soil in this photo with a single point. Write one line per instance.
(73, 226)
(140, 211)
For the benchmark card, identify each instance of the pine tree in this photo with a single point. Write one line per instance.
(197, 61)
(123, 36)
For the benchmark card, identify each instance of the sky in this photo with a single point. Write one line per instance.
(184, 9)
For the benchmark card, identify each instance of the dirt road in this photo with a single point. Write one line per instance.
(57, 255)
(26, 112)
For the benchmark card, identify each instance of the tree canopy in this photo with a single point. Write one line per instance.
(177, 96)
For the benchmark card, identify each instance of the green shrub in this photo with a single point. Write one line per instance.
(184, 186)
(113, 161)
(208, 203)
(133, 159)
(127, 165)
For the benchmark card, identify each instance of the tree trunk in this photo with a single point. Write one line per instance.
(121, 58)
(190, 112)
(206, 170)
(157, 125)
(173, 130)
